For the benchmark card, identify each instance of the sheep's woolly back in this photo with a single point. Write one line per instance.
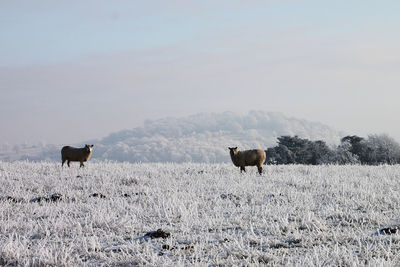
(254, 157)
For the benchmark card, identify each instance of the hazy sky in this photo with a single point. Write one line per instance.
(77, 70)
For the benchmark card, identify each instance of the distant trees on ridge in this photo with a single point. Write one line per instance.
(374, 150)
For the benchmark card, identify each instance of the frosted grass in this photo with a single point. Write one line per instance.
(292, 215)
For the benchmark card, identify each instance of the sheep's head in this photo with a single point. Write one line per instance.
(233, 150)
(88, 148)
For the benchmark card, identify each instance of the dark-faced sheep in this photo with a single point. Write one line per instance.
(69, 153)
(254, 157)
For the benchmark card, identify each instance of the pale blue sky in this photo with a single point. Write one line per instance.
(76, 70)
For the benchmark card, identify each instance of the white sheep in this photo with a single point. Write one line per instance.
(254, 157)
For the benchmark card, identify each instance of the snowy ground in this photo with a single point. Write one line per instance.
(292, 215)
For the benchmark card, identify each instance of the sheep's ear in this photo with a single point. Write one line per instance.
(91, 145)
(235, 148)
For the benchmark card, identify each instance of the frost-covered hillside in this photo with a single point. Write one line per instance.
(197, 138)
(205, 137)
(209, 215)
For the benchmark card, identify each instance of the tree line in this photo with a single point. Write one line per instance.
(353, 149)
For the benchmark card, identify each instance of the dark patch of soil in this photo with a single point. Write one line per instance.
(3, 261)
(157, 234)
(290, 243)
(134, 194)
(12, 199)
(225, 240)
(389, 230)
(55, 197)
(49, 198)
(99, 195)
(279, 245)
(168, 247)
(294, 242)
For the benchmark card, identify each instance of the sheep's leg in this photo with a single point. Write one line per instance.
(242, 169)
(68, 163)
(81, 165)
(63, 161)
(259, 169)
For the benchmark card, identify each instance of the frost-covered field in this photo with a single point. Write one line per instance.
(292, 215)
